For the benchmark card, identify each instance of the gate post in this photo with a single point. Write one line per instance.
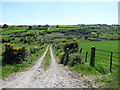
(111, 61)
(81, 50)
(92, 59)
(67, 56)
(86, 56)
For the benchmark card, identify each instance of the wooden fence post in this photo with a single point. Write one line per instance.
(67, 56)
(86, 56)
(81, 50)
(111, 61)
(92, 60)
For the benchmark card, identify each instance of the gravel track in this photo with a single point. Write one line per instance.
(56, 76)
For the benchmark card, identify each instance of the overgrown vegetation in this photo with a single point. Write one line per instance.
(68, 53)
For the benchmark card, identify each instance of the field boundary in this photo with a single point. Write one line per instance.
(109, 57)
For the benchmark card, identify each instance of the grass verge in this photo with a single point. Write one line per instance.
(100, 76)
(84, 69)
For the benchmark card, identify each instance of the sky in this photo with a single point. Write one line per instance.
(58, 13)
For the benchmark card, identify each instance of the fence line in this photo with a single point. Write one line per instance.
(93, 56)
(107, 51)
(102, 54)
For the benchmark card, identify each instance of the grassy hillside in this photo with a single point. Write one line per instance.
(35, 38)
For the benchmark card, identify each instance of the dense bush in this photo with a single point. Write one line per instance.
(13, 55)
(5, 26)
(62, 57)
(30, 27)
(34, 50)
(73, 47)
(68, 53)
(86, 37)
(5, 40)
(75, 58)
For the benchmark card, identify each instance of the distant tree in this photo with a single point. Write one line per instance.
(21, 39)
(5, 26)
(20, 26)
(30, 27)
(3, 41)
(47, 25)
(25, 41)
(86, 37)
(39, 25)
(57, 26)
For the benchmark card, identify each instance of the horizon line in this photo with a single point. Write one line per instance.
(59, 24)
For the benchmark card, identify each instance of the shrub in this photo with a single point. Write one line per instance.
(57, 26)
(21, 39)
(25, 41)
(86, 37)
(73, 47)
(13, 55)
(5, 40)
(64, 41)
(30, 27)
(5, 26)
(75, 58)
(62, 57)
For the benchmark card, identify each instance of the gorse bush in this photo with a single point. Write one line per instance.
(13, 55)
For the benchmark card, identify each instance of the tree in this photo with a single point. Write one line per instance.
(86, 37)
(39, 25)
(5, 26)
(30, 27)
(57, 26)
(47, 25)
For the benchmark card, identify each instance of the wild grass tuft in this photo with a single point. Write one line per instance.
(84, 69)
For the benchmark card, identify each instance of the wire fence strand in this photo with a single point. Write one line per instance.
(110, 62)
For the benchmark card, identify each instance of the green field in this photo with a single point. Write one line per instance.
(103, 57)
(12, 31)
(108, 45)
